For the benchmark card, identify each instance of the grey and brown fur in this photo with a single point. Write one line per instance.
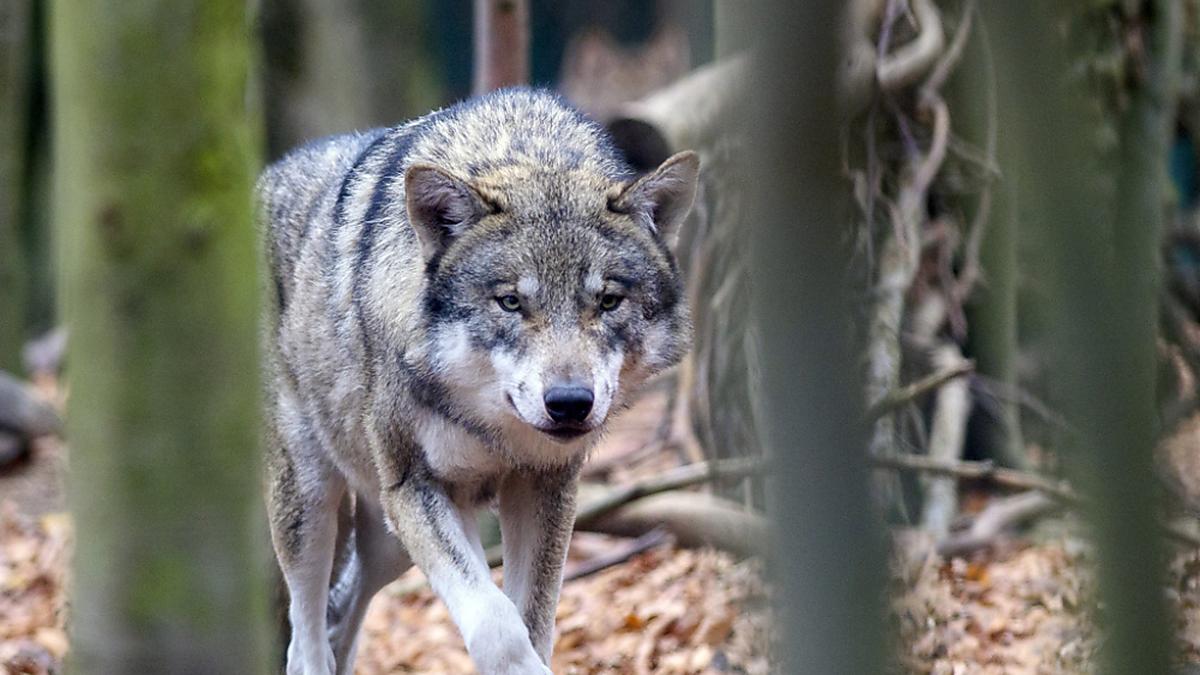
(444, 294)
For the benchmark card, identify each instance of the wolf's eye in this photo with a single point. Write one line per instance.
(509, 303)
(609, 302)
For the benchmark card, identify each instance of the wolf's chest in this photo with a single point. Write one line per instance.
(453, 453)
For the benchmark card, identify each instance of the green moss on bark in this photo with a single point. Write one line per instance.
(156, 159)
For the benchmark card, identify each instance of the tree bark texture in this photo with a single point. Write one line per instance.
(156, 159)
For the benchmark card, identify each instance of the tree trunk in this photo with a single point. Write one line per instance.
(159, 271)
(404, 78)
(501, 44)
(992, 312)
(316, 72)
(16, 33)
(828, 555)
(1099, 261)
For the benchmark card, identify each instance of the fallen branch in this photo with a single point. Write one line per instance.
(986, 471)
(899, 397)
(652, 539)
(1000, 515)
(694, 519)
(685, 476)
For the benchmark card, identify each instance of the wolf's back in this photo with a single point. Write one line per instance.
(296, 191)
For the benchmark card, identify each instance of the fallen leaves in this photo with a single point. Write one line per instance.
(1022, 609)
(667, 611)
(33, 557)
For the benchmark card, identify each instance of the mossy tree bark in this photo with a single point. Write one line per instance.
(16, 33)
(156, 159)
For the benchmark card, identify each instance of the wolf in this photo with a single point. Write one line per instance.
(459, 306)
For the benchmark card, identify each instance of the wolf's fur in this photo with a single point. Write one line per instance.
(403, 394)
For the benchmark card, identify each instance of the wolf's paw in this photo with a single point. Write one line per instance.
(322, 663)
(506, 653)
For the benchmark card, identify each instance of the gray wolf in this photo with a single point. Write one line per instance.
(460, 305)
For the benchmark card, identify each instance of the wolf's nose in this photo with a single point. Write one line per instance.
(568, 404)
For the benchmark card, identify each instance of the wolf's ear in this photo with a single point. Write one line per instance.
(440, 206)
(664, 196)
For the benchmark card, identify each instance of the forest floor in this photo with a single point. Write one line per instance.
(1021, 606)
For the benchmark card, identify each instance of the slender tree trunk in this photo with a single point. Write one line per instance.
(828, 563)
(159, 273)
(992, 313)
(316, 76)
(405, 79)
(501, 44)
(1100, 272)
(16, 33)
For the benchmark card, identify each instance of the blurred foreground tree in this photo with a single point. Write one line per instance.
(156, 161)
(16, 38)
(828, 560)
(1098, 223)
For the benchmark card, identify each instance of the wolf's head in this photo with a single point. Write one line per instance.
(551, 294)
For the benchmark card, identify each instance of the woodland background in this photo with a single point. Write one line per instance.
(941, 412)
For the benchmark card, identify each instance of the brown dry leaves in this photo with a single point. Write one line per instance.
(666, 612)
(33, 556)
(1022, 611)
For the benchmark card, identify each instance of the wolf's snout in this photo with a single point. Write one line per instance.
(568, 405)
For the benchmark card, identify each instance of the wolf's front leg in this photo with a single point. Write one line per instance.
(537, 514)
(440, 538)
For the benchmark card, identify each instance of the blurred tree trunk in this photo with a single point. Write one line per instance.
(159, 271)
(828, 560)
(992, 309)
(16, 44)
(333, 66)
(405, 79)
(1098, 256)
(316, 74)
(501, 44)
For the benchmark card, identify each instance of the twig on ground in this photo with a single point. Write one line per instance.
(1000, 515)
(652, 539)
(1023, 480)
(681, 477)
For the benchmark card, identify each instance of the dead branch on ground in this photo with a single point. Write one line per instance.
(652, 539)
(999, 516)
(597, 502)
